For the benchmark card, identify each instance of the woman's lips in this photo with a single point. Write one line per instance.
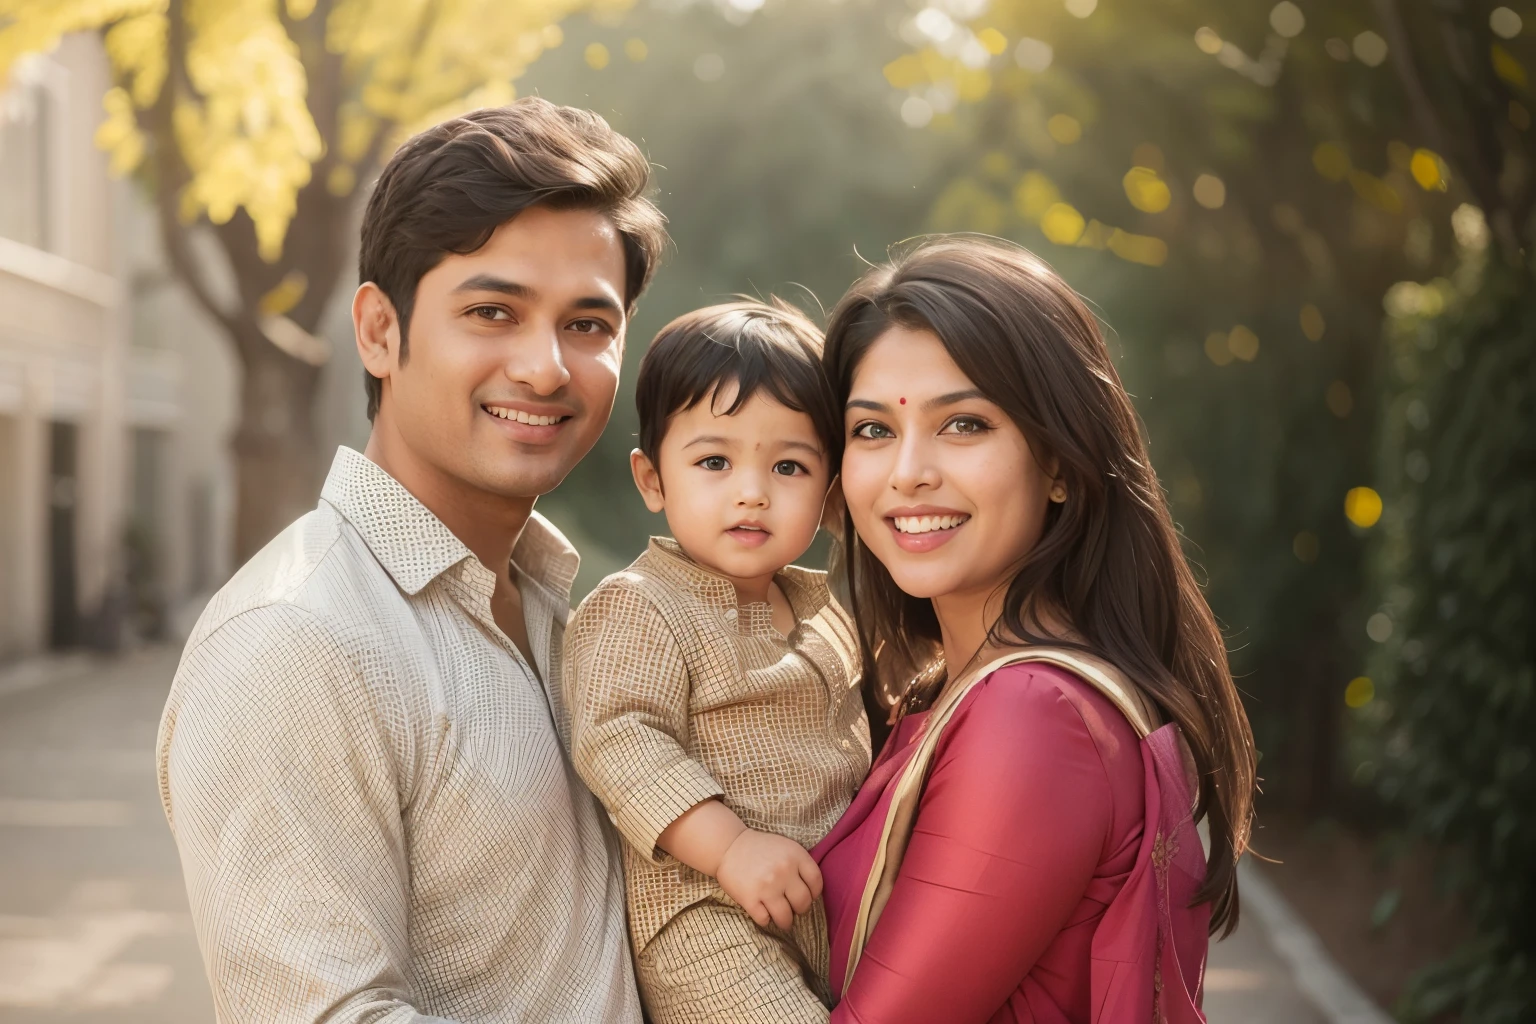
(749, 537)
(934, 530)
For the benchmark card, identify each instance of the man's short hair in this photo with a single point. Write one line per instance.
(449, 188)
(757, 346)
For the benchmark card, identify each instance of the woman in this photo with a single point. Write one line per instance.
(1034, 859)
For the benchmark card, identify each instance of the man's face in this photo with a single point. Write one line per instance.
(514, 353)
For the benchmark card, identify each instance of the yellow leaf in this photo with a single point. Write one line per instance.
(285, 294)
(1062, 224)
(906, 71)
(1362, 506)
(596, 56)
(993, 41)
(1146, 191)
(1034, 195)
(1331, 161)
(1243, 343)
(1064, 128)
(1508, 67)
(1312, 324)
(1145, 249)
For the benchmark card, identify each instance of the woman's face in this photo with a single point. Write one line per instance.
(940, 483)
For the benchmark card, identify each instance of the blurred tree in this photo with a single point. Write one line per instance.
(253, 122)
(1249, 178)
(780, 163)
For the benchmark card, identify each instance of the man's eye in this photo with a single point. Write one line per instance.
(789, 468)
(714, 463)
(873, 431)
(491, 313)
(589, 327)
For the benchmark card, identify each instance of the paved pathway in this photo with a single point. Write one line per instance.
(93, 917)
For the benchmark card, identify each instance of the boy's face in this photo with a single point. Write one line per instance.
(743, 494)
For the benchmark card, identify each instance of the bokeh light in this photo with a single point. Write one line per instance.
(1362, 506)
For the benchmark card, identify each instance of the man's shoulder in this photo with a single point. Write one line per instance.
(315, 580)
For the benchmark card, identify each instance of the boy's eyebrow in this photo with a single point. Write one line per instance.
(711, 439)
(814, 449)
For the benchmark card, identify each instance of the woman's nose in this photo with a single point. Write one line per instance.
(914, 468)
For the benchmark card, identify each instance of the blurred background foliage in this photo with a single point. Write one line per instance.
(1306, 225)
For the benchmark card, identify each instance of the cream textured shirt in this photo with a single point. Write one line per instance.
(367, 784)
(679, 695)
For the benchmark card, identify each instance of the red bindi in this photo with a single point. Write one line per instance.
(903, 400)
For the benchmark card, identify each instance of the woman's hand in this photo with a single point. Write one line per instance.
(773, 878)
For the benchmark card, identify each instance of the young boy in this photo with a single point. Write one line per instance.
(712, 685)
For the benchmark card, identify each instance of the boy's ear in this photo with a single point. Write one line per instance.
(647, 480)
(833, 509)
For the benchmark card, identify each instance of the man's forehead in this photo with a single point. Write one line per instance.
(547, 253)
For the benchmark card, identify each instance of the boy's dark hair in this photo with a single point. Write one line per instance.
(450, 187)
(758, 346)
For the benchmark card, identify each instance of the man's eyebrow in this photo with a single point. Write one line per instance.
(490, 283)
(599, 302)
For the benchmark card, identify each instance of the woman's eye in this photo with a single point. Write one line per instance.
(965, 425)
(789, 468)
(715, 463)
(873, 431)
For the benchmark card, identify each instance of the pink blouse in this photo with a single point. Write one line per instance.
(1031, 822)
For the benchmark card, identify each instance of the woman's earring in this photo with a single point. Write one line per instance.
(1058, 493)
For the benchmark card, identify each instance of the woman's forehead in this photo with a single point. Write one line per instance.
(910, 360)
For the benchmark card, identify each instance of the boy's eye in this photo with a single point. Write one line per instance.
(965, 425)
(714, 463)
(789, 468)
(873, 431)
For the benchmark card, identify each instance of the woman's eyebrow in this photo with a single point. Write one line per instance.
(953, 397)
(864, 403)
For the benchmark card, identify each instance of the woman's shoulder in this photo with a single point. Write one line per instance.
(1034, 698)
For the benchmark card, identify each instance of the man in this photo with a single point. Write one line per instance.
(361, 758)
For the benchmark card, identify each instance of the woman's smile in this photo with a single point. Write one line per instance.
(923, 528)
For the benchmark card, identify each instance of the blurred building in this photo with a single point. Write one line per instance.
(116, 399)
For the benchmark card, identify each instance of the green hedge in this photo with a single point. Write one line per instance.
(1452, 729)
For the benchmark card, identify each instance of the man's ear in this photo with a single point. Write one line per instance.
(833, 508)
(647, 480)
(377, 329)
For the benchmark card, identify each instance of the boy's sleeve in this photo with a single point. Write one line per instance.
(626, 686)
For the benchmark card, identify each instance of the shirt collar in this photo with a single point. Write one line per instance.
(414, 546)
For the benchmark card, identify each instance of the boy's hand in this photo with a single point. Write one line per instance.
(773, 878)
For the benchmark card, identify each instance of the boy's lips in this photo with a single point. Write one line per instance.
(752, 535)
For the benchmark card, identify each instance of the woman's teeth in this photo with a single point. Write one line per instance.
(519, 416)
(927, 524)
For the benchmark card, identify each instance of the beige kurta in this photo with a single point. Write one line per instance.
(678, 695)
(368, 788)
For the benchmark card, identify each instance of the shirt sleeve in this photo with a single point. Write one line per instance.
(279, 784)
(626, 686)
(1012, 825)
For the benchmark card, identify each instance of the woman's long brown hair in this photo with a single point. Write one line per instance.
(1109, 561)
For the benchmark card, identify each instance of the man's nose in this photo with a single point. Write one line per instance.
(537, 361)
